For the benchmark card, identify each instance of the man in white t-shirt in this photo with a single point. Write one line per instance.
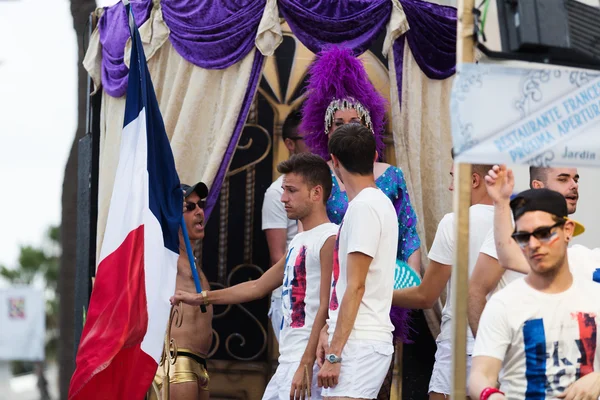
(305, 272)
(437, 276)
(358, 355)
(541, 330)
(491, 273)
(279, 229)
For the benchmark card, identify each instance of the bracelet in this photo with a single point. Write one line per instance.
(487, 392)
(204, 298)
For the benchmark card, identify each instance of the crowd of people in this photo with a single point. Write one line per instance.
(339, 224)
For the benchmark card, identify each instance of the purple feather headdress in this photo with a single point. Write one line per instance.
(338, 80)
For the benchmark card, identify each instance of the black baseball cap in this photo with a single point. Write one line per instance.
(543, 200)
(199, 188)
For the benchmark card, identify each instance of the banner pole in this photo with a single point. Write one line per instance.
(465, 52)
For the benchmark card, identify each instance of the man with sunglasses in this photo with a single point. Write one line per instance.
(541, 330)
(500, 261)
(279, 229)
(188, 376)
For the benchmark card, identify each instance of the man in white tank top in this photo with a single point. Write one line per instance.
(305, 273)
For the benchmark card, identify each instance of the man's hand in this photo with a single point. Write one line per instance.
(193, 299)
(301, 383)
(586, 388)
(500, 183)
(329, 374)
(322, 346)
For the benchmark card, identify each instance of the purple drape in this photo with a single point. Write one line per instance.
(114, 31)
(208, 33)
(317, 23)
(215, 189)
(431, 37)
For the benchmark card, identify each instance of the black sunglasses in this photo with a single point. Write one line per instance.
(543, 234)
(189, 206)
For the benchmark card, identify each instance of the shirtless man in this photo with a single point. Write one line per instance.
(189, 376)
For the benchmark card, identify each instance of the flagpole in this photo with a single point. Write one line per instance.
(190, 255)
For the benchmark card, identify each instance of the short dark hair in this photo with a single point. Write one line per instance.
(354, 145)
(481, 169)
(538, 174)
(312, 168)
(290, 126)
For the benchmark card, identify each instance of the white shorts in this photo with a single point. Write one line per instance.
(281, 383)
(441, 376)
(365, 363)
(276, 315)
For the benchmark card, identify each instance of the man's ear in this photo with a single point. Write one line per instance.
(317, 192)
(335, 161)
(535, 184)
(476, 180)
(290, 145)
(569, 229)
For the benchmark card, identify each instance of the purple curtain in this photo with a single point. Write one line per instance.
(215, 189)
(317, 23)
(212, 34)
(431, 37)
(114, 31)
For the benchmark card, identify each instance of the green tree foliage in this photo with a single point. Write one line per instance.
(41, 264)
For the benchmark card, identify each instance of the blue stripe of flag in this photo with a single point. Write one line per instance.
(534, 337)
(166, 197)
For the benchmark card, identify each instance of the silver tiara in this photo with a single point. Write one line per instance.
(347, 104)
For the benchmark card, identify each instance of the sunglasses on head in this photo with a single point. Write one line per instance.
(543, 234)
(190, 206)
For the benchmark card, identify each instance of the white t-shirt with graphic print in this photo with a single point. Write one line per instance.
(370, 226)
(301, 290)
(545, 341)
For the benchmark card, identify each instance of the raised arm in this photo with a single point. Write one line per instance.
(500, 183)
(484, 280)
(241, 293)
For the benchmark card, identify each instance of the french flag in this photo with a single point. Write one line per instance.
(123, 336)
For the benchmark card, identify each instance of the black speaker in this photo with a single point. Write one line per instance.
(565, 32)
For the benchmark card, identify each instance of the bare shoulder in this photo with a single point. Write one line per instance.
(380, 167)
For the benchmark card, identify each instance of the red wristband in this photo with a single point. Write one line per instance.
(487, 392)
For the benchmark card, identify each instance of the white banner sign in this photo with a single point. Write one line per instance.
(540, 117)
(22, 324)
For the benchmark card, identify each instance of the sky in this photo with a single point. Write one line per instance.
(38, 116)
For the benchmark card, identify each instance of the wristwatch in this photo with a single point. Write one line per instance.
(332, 358)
